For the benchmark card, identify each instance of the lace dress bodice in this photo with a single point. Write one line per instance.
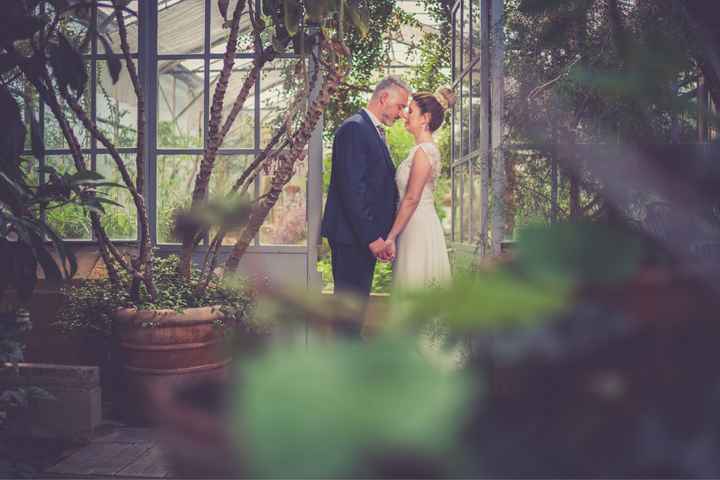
(403, 173)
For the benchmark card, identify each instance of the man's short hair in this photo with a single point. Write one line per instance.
(391, 81)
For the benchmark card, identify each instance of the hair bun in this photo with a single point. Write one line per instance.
(445, 97)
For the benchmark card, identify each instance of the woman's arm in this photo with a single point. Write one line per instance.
(420, 173)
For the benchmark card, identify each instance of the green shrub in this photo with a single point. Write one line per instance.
(89, 305)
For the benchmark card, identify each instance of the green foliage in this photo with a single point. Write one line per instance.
(440, 11)
(349, 409)
(580, 252)
(325, 411)
(549, 263)
(433, 69)
(90, 304)
(482, 301)
(369, 53)
(290, 17)
(382, 278)
(400, 141)
(594, 72)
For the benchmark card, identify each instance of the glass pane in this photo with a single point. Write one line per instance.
(120, 223)
(456, 152)
(219, 34)
(466, 206)
(181, 26)
(107, 24)
(30, 167)
(180, 103)
(465, 114)
(287, 222)
(477, 194)
(477, 114)
(443, 203)
(70, 222)
(242, 132)
(228, 169)
(175, 184)
(457, 34)
(280, 83)
(466, 34)
(116, 106)
(476, 26)
(54, 137)
(27, 101)
(457, 203)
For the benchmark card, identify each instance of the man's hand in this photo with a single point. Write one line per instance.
(377, 247)
(390, 250)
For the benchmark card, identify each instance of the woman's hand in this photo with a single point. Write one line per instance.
(390, 250)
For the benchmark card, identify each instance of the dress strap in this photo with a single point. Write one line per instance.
(433, 152)
(430, 148)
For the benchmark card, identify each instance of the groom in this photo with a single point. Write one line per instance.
(362, 196)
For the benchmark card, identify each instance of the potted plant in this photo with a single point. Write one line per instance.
(50, 61)
(184, 334)
(28, 247)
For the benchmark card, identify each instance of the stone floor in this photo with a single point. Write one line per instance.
(116, 451)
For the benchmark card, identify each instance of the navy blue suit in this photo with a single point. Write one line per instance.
(361, 202)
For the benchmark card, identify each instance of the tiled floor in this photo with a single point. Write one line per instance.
(115, 452)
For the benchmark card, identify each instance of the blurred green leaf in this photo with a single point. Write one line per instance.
(319, 412)
(481, 301)
(578, 252)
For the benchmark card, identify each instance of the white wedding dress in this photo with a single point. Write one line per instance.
(421, 259)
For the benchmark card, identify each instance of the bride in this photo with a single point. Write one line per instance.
(416, 240)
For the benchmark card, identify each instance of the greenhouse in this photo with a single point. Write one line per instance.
(359, 238)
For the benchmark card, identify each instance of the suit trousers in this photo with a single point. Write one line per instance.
(353, 267)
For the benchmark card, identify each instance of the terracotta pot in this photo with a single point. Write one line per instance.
(196, 437)
(160, 349)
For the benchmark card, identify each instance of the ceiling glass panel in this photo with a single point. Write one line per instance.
(181, 26)
(107, 24)
(219, 32)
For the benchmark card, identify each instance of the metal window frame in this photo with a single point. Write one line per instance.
(480, 147)
(148, 59)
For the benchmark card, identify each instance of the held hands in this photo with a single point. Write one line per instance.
(390, 250)
(383, 250)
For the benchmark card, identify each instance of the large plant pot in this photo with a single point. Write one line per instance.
(161, 349)
(196, 436)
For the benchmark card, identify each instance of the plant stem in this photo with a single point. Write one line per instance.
(286, 159)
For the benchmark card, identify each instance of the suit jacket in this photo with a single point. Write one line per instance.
(362, 196)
